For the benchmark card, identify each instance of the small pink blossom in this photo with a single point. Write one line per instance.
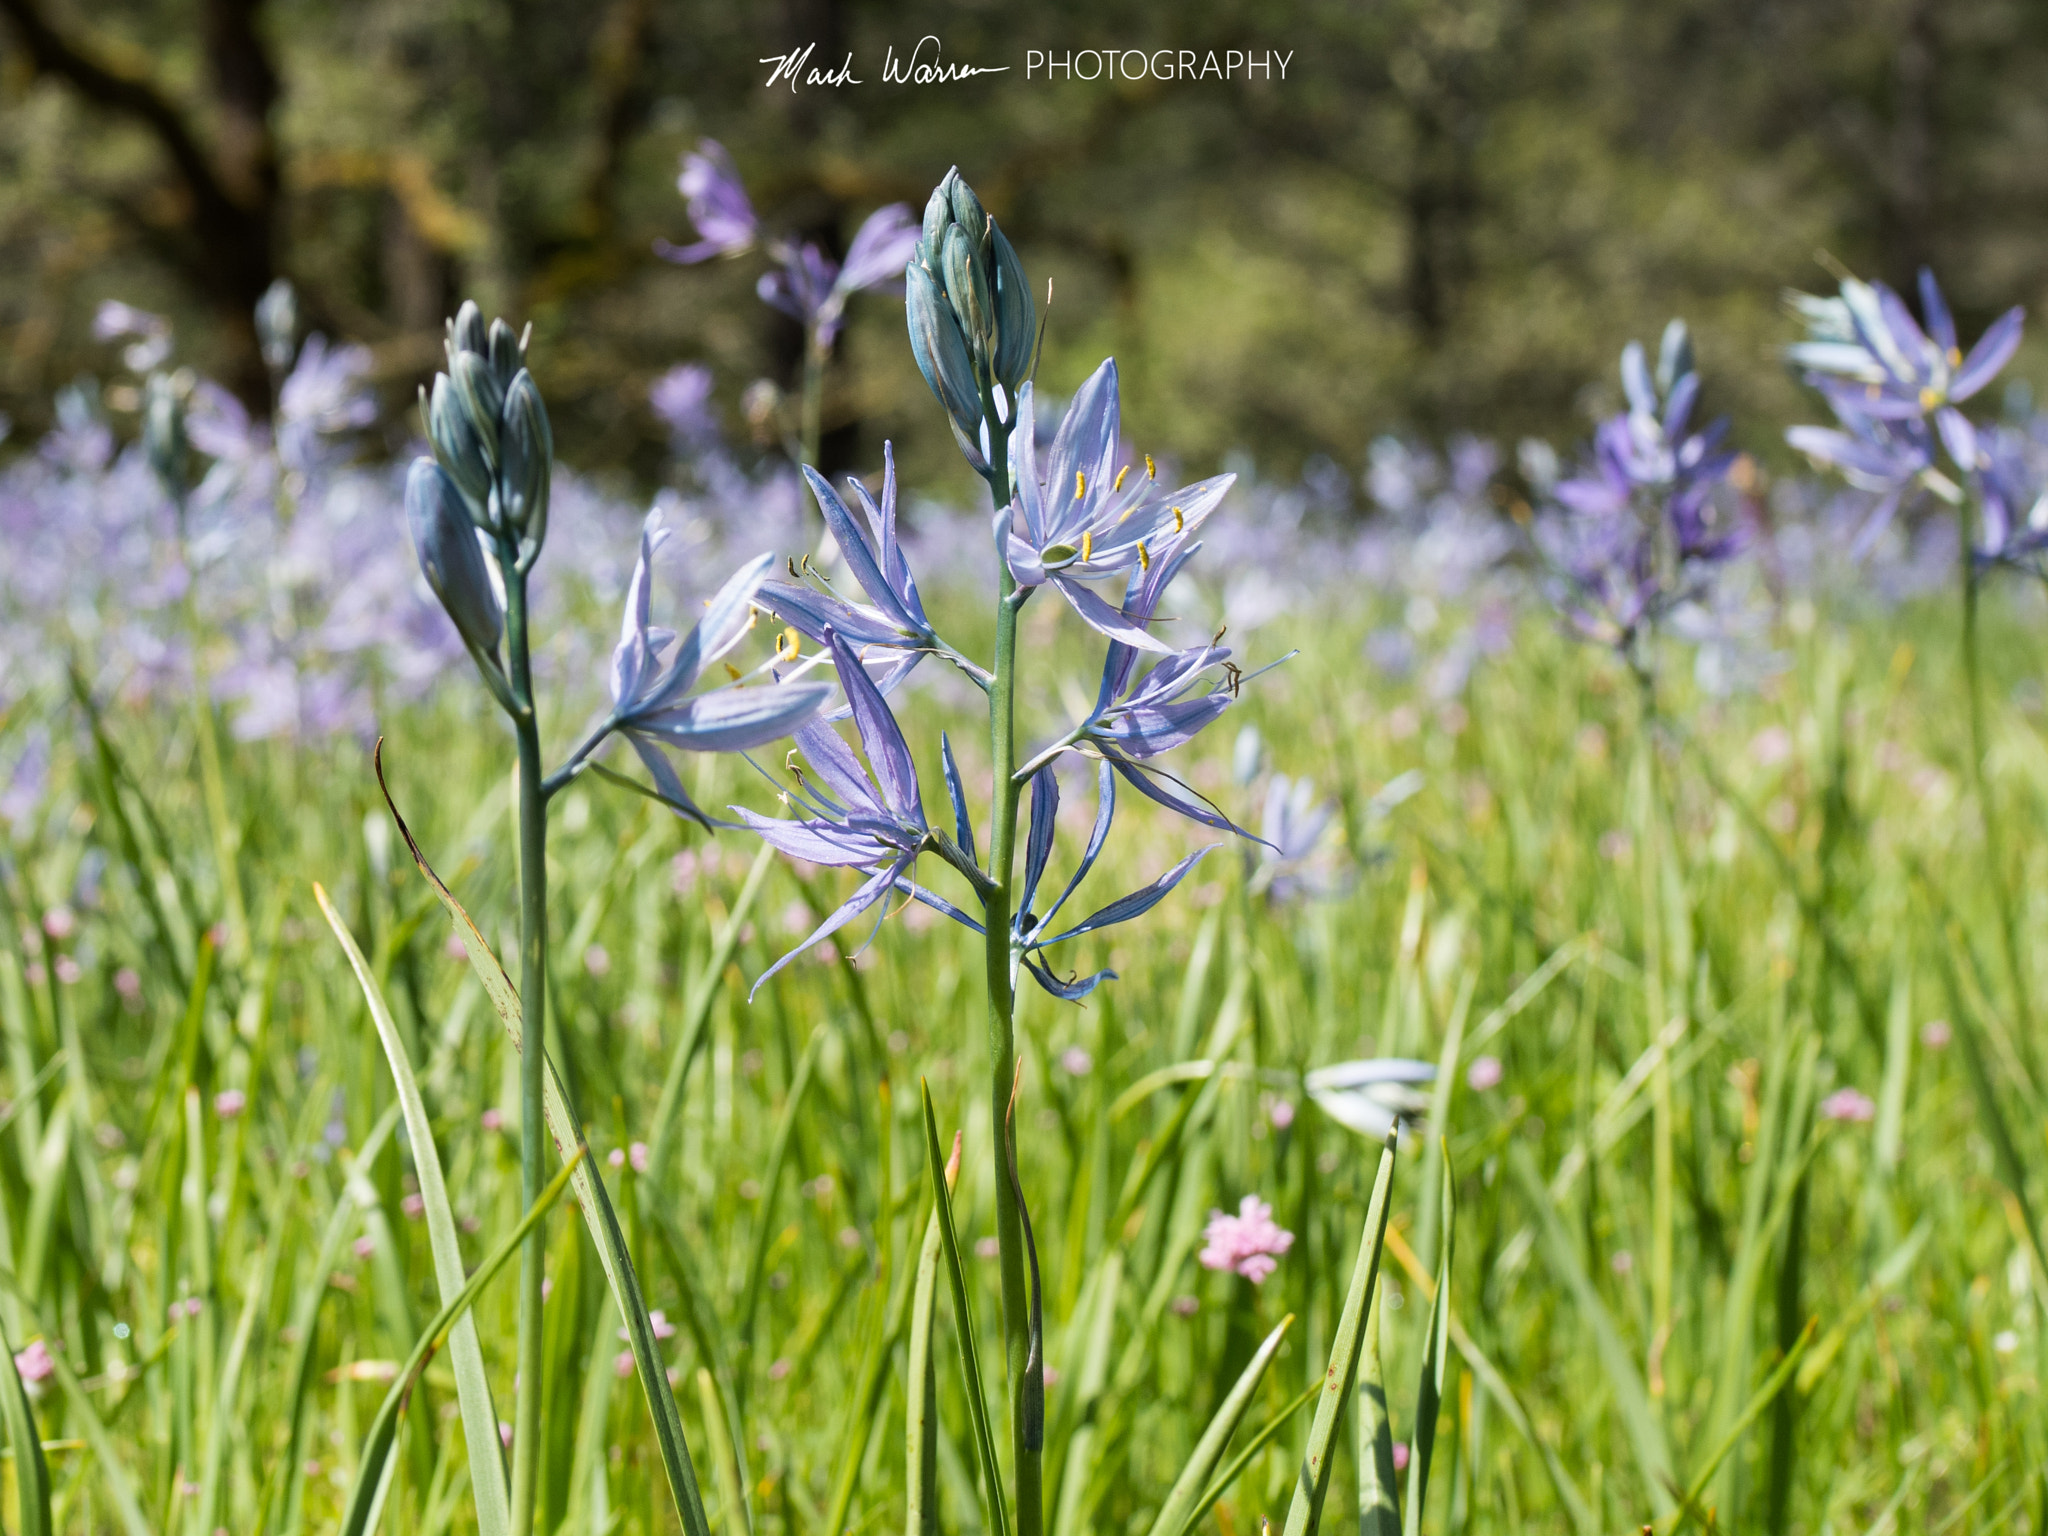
(1185, 1306)
(128, 984)
(597, 960)
(1935, 1034)
(1848, 1104)
(1249, 1242)
(1281, 1114)
(494, 1120)
(414, 1206)
(636, 1155)
(36, 973)
(229, 1103)
(35, 1364)
(1052, 1376)
(682, 872)
(658, 1321)
(779, 1369)
(987, 1248)
(1400, 1456)
(616, 1157)
(60, 923)
(69, 971)
(1622, 1262)
(363, 1247)
(1484, 1073)
(1076, 1062)
(454, 950)
(504, 1434)
(623, 1363)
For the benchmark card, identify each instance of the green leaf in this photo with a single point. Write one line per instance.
(31, 1472)
(963, 1327)
(1429, 1395)
(465, 1351)
(367, 1491)
(595, 1204)
(920, 1411)
(1312, 1484)
(1258, 1442)
(1179, 1508)
(1379, 1488)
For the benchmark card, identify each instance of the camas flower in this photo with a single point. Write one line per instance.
(652, 673)
(1292, 833)
(1373, 1096)
(893, 622)
(1249, 1243)
(1640, 531)
(1865, 350)
(869, 818)
(1084, 517)
(718, 206)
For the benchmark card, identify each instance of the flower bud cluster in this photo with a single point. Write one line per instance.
(972, 322)
(493, 461)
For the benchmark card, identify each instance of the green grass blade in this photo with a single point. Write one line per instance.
(1181, 1499)
(778, 1158)
(366, 1494)
(1429, 1394)
(920, 1409)
(1764, 1397)
(465, 1350)
(963, 1327)
(1312, 1483)
(596, 1206)
(1645, 1431)
(31, 1472)
(723, 1464)
(1268, 1432)
(1379, 1487)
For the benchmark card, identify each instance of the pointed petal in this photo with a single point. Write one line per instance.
(1958, 437)
(1635, 380)
(725, 620)
(888, 753)
(1105, 813)
(939, 903)
(811, 613)
(1993, 351)
(1175, 796)
(820, 842)
(963, 824)
(833, 761)
(1099, 616)
(735, 719)
(1045, 810)
(1940, 324)
(1085, 445)
(1066, 991)
(873, 891)
(1151, 729)
(1139, 902)
(854, 547)
(665, 779)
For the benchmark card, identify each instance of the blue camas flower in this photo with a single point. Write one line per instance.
(1084, 517)
(892, 626)
(652, 674)
(868, 818)
(1641, 529)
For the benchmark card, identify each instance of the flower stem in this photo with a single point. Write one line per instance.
(1987, 810)
(1006, 796)
(533, 938)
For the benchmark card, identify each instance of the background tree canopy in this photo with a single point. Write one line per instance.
(1449, 214)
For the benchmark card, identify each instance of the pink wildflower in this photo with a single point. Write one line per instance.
(229, 1103)
(1249, 1242)
(1484, 1073)
(1848, 1104)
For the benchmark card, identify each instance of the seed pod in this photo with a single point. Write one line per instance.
(449, 554)
(529, 451)
(458, 448)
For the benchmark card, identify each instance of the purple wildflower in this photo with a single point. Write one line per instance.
(652, 673)
(718, 207)
(1077, 521)
(681, 397)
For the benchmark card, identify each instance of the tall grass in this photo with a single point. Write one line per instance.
(1681, 1294)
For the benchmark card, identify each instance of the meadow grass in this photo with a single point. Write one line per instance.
(1691, 1283)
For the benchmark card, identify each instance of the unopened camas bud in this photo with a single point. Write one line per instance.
(972, 321)
(163, 433)
(450, 555)
(490, 430)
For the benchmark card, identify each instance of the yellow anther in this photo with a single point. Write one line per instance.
(1929, 398)
(1151, 469)
(789, 645)
(1080, 485)
(1144, 557)
(1087, 546)
(1120, 478)
(1955, 357)
(732, 671)
(1180, 521)
(753, 615)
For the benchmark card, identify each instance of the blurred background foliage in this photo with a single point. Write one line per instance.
(1449, 214)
